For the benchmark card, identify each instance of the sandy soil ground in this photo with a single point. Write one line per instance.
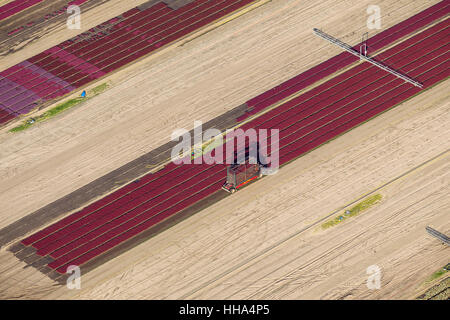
(266, 241)
(3, 2)
(198, 81)
(56, 33)
(262, 242)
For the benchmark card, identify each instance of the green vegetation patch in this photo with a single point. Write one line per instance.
(100, 88)
(354, 211)
(439, 273)
(59, 108)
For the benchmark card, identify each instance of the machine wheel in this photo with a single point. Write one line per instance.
(260, 174)
(232, 190)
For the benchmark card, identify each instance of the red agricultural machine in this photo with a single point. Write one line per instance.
(243, 172)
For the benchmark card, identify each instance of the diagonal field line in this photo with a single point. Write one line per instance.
(257, 3)
(293, 235)
(41, 22)
(268, 109)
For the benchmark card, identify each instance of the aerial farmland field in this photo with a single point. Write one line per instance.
(120, 122)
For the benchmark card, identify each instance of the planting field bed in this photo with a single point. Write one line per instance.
(344, 59)
(15, 7)
(305, 122)
(103, 49)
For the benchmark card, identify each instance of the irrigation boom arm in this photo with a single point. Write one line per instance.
(438, 235)
(346, 47)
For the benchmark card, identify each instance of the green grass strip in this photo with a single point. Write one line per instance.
(354, 211)
(59, 108)
(439, 273)
(100, 88)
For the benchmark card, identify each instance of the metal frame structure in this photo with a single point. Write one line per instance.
(440, 236)
(348, 48)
